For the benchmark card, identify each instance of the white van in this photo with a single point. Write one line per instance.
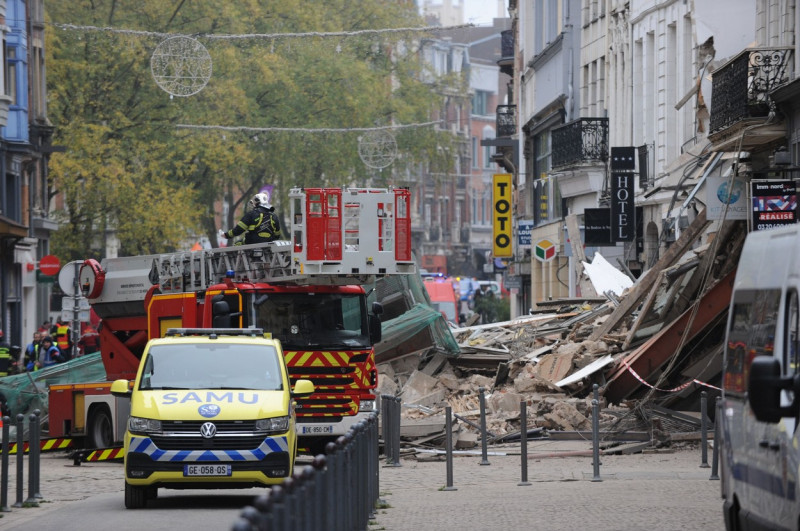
(761, 387)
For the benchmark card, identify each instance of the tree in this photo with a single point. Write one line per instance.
(130, 169)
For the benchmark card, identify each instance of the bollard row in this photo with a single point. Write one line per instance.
(33, 462)
(338, 491)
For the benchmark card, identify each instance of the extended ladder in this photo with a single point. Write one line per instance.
(338, 236)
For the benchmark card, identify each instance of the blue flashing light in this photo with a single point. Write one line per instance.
(230, 273)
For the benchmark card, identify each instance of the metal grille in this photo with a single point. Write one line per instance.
(582, 140)
(231, 435)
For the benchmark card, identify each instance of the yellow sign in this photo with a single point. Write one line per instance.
(501, 215)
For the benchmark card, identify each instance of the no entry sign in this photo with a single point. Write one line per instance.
(49, 264)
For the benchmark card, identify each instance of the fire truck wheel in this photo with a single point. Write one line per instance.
(135, 497)
(99, 431)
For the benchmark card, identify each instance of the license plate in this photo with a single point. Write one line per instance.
(206, 470)
(317, 430)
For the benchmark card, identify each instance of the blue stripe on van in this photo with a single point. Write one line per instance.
(763, 480)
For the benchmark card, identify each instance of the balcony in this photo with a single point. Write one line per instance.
(741, 88)
(584, 140)
(506, 120)
(506, 61)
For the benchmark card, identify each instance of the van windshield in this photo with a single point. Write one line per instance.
(216, 365)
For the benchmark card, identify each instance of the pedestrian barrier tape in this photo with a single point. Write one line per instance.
(45, 445)
(673, 390)
(105, 455)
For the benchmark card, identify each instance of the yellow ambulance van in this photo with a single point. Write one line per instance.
(210, 408)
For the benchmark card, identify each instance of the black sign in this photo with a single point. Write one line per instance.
(623, 158)
(623, 216)
(597, 226)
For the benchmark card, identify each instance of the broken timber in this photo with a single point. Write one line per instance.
(643, 286)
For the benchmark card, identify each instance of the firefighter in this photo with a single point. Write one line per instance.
(5, 355)
(63, 338)
(260, 224)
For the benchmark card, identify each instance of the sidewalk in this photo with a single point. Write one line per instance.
(663, 490)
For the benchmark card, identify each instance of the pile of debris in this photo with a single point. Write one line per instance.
(658, 345)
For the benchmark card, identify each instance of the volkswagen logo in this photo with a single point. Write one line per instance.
(208, 430)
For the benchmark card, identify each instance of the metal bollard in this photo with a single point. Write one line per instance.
(596, 440)
(523, 438)
(704, 430)
(448, 446)
(331, 479)
(320, 465)
(717, 439)
(31, 500)
(264, 504)
(20, 458)
(278, 495)
(4, 467)
(374, 469)
(484, 452)
(398, 407)
(36, 453)
(386, 427)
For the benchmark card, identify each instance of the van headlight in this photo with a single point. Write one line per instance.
(143, 426)
(273, 425)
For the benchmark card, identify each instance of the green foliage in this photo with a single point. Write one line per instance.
(130, 169)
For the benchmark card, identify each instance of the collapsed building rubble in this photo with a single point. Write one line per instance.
(650, 352)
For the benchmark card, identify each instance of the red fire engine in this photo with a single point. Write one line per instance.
(308, 292)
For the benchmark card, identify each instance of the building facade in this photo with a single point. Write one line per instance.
(25, 146)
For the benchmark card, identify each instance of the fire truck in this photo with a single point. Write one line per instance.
(308, 292)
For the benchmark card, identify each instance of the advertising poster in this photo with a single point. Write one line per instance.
(774, 203)
(722, 190)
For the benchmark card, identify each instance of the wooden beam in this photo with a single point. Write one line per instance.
(579, 256)
(645, 282)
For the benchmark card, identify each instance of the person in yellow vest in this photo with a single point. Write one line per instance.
(63, 339)
(5, 355)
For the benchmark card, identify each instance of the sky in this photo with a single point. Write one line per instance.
(481, 12)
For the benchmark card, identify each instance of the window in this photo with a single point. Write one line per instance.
(488, 134)
(480, 103)
(752, 333)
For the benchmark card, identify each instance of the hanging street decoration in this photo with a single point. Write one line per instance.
(181, 66)
(377, 149)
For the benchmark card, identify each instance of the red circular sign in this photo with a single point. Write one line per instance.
(49, 265)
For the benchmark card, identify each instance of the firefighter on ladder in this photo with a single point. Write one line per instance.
(260, 224)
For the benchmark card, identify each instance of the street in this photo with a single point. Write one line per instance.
(662, 490)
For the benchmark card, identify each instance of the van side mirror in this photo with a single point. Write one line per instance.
(121, 388)
(764, 388)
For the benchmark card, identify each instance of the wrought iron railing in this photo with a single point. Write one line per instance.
(740, 89)
(506, 120)
(582, 140)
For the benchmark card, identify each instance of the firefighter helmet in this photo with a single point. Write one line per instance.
(260, 199)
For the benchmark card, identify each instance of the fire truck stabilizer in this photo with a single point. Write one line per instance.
(340, 241)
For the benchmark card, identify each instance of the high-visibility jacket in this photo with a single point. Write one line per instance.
(62, 338)
(5, 359)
